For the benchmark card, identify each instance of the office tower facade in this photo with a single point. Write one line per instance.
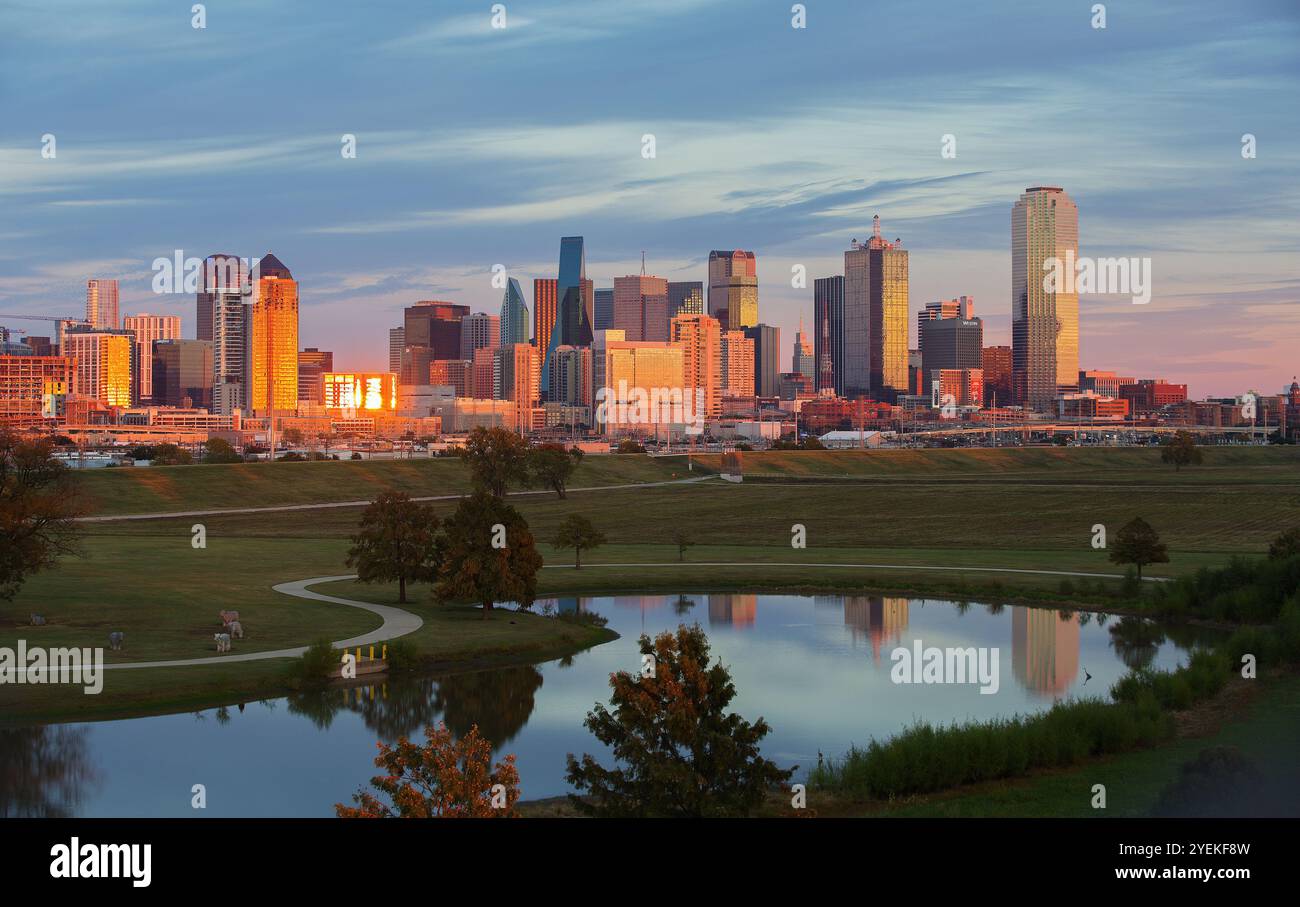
(828, 333)
(628, 377)
(737, 364)
(996, 362)
(32, 388)
(956, 387)
(273, 339)
(575, 302)
(223, 275)
(700, 337)
(767, 355)
(685, 297)
(641, 308)
(520, 378)
(478, 330)
(543, 312)
(147, 329)
(603, 319)
(961, 307)
(802, 359)
(182, 369)
(103, 358)
(313, 364)
(101, 303)
(457, 374)
(485, 383)
(1044, 324)
(396, 343)
(434, 325)
(733, 288)
(571, 376)
(951, 343)
(875, 318)
(513, 318)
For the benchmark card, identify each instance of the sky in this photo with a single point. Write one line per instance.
(478, 146)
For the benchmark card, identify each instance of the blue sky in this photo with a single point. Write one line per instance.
(478, 146)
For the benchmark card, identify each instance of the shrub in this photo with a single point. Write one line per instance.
(316, 664)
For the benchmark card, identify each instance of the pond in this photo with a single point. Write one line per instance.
(818, 669)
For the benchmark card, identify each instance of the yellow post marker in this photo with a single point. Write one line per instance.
(372, 653)
(358, 655)
(383, 653)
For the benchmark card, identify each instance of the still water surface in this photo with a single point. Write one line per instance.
(817, 668)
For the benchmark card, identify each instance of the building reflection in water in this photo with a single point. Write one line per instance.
(1044, 650)
(881, 620)
(737, 610)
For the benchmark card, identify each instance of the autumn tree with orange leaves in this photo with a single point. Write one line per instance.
(683, 754)
(444, 779)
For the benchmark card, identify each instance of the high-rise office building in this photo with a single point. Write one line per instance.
(457, 374)
(1044, 323)
(700, 337)
(603, 319)
(737, 364)
(641, 308)
(630, 378)
(543, 312)
(520, 378)
(33, 389)
(733, 288)
(182, 370)
(961, 307)
(685, 297)
(574, 302)
(434, 325)
(478, 330)
(802, 359)
(996, 363)
(101, 303)
(313, 364)
(103, 360)
(767, 355)
(875, 318)
(951, 343)
(396, 343)
(273, 339)
(514, 316)
(571, 378)
(223, 275)
(828, 333)
(147, 329)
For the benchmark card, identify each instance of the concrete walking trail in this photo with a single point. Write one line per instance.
(398, 622)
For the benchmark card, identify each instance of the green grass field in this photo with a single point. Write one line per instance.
(1030, 509)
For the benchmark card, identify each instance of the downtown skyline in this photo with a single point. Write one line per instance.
(489, 172)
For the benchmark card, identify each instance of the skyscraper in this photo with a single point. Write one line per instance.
(641, 307)
(313, 363)
(737, 364)
(767, 354)
(733, 288)
(961, 307)
(604, 316)
(223, 319)
(875, 318)
(101, 303)
(828, 332)
(273, 339)
(396, 343)
(802, 359)
(182, 369)
(223, 275)
(478, 330)
(1044, 325)
(574, 302)
(700, 337)
(685, 297)
(103, 358)
(514, 316)
(435, 326)
(951, 343)
(543, 312)
(147, 329)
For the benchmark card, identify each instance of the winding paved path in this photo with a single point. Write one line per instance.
(396, 623)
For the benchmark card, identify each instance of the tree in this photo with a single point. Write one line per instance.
(497, 459)
(682, 539)
(39, 504)
(444, 779)
(578, 533)
(551, 465)
(1181, 450)
(171, 455)
(1138, 544)
(221, 451)
(1285, 545)
(486, 554)
(685, 756)
(397, 540)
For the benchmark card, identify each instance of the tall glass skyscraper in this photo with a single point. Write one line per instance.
(828, 332)
(1044, 326)
(574, 303)
(875, 318)
(514, 315)
(733, 288)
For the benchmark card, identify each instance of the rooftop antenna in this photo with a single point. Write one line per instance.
(643, 262)
(875, 226)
